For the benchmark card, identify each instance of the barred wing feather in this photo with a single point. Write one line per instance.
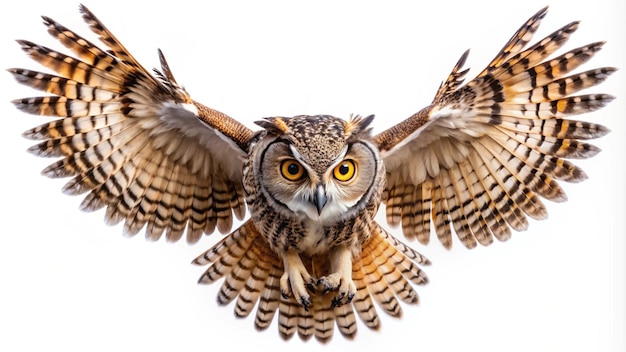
(480, 158)
(136, 142)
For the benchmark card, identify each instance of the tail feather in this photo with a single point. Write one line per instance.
(252, 290)
(346, 321)
(288, 316)
(270, 296)
(226, 254)
(324, 318)
(306, 322)
(384, 273)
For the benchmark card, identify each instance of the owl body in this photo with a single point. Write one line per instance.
(475, 162)
(288, 212)
(313, 185)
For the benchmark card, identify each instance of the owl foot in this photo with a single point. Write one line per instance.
(296, 279)
(341, 278)
(345, 287)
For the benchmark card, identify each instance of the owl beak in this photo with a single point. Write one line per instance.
(320, 198)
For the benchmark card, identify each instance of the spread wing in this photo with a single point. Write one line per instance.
(481, 155)
(136, 142)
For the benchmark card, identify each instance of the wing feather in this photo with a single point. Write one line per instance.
(481, 156)
(135, 142)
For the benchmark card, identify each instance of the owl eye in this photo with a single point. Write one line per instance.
(345, 171)
(291, 170)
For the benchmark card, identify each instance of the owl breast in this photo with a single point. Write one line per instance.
(311, 189)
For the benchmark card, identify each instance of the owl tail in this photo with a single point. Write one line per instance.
(383, 273)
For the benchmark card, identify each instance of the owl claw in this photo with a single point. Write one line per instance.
(337, 301)
(295, 280)
(345, 287)
(326, 285)
(311, 285)
(306, 303)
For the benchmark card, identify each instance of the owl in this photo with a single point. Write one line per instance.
(476, 162)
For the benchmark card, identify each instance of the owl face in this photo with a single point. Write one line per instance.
(322, 168)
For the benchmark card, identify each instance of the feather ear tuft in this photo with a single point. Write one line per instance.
(274, 125)
(357, 126)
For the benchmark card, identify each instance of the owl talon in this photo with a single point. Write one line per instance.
(351, 296)
(344, 285)
(311, 286)
(329, 283)
(337, 301)
(295, 280)
(306, 303)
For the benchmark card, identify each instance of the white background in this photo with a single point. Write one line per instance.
(71, 283)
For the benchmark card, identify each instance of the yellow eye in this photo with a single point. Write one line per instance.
(291, 170)
(345, 171)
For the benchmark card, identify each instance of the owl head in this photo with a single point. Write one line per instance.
(319, 167)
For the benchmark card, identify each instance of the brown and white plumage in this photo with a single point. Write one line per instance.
(477, 159)
(383, 272)
(136, 142)
(480, 155)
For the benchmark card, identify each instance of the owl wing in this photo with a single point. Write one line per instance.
(135, 141)
(481, 155)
